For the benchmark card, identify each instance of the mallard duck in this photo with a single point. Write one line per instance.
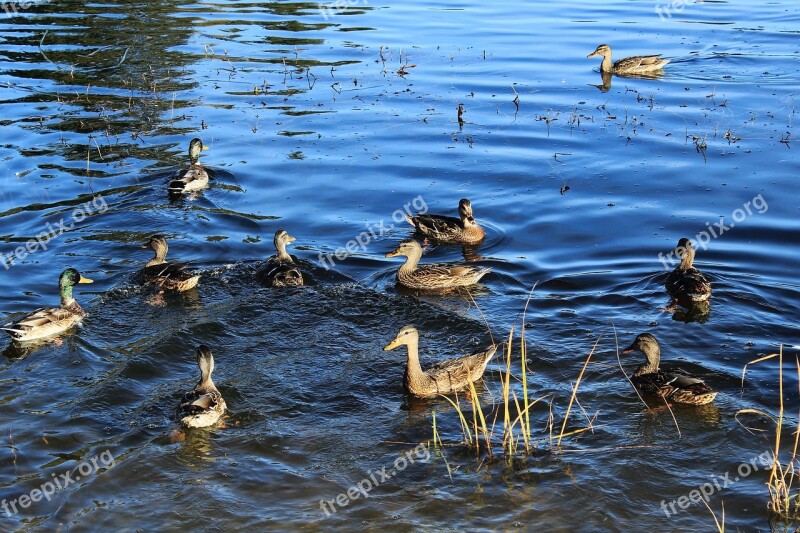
(442, 378)
(686, 283)
(195, 177)
(674, 386)
(158, 271)
(432, 277)
(49, 321)
(629, 65)
(204, 405)
(281, 270)
(462, 230)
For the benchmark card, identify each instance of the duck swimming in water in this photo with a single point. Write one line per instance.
(440, 277)
(445, 377)
(281, 270)
(49, 321)
(462, 230)
(629, 65)
(686, 283)
(170, 276)
(204, 405)
(675, 386)
(195, 177)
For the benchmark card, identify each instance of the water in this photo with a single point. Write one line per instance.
(311, 128)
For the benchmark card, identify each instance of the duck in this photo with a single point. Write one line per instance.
(686, 283)
(441, 277)
(444, 229)
(448, 376)
(281, 270)
(628, 65)
(171, 276)
(204, 405)
(50, 321)
(674, 385)
(195, 177)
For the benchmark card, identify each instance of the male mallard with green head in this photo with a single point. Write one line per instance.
(628, 65)
(675, 386)
(46, 322)
(445, 377)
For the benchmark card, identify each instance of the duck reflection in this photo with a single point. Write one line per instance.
(698, 312)
(606, 78)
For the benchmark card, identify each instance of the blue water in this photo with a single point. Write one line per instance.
(327, 124)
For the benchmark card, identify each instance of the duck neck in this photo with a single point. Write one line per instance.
(413, 369)
(686, 260)
(653, 360)
(159, 259)
(412, 259)
(66, 297)
(205, 383)
(607, 65)
(282, 255)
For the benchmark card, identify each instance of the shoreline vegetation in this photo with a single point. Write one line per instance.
(502, 430)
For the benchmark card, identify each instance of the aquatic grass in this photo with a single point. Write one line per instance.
(512, 411)
(440, 446)
(718, 523)
(575, 391)
(784, 477)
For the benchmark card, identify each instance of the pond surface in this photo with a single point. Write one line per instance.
(332, 121)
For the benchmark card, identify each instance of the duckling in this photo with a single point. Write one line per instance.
(49, 321)
(686, 283)
(445, 377)
(281, 270)
(462, 230)
(674, 386)
(195, 177)
(432, 277)
(158, 271)
(628, 65)
(204, 405)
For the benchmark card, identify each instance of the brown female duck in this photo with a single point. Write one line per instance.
(158, 271)
(444, 229)
(675, 386)
(445, 377)
(686, 283)
(281, 270)
(441, 277)
(629, 65)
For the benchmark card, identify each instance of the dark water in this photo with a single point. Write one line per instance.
(311, 128)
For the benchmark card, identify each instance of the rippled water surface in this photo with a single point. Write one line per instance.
(329, 122)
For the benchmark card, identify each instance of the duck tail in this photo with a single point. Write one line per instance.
(176, 186)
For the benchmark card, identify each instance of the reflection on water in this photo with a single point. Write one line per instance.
(322, 121)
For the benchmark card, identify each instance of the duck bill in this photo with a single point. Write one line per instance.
(393, 254)
(205, 147)
(629, 349)
(289, 238)
(392, 345)
(593, 54)
(85, 280)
